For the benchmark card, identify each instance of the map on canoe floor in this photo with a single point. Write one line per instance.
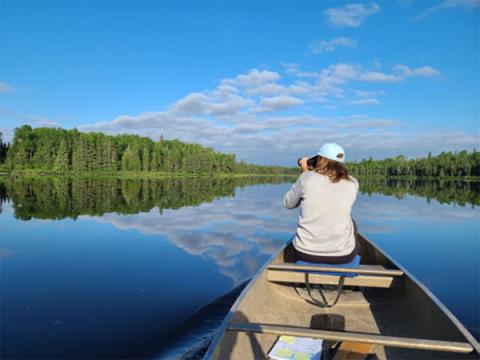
(296, 348)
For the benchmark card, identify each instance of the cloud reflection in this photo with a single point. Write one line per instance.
(239, 234)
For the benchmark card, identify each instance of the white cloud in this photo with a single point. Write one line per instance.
(445, 5)
(278, 103)
(267, 89)
(372, 123)
(253, 78)
(375, 76)
(365, 101)
(290, 68)
(369, 93)
(280, 139)
(351, 15)
(299, 87)
(247, 120)
(424, 71)
(322, 46)
(202, 104)
(4, 87)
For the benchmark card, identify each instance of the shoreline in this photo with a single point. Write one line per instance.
(131, 174)
(180, 175)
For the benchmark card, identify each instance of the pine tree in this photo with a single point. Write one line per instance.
(62, 160)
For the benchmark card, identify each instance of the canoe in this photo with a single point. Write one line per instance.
(383, 310)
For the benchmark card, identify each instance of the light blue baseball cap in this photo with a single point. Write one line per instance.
(332, 151)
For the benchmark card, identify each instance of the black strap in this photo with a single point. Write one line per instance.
(324, 303)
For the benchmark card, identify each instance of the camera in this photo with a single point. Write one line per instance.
(311, 162)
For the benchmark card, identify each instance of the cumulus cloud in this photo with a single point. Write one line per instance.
(375, 76)
(445, 5)
(267, 89)
(243, 114)
(202, 104)
(351, 15)
(369, 93)
(424, 71)
(331, 80)
(253, 78)
(277, 139)
(278, 103)
(372, 123)
(322, 46)
(365, 101)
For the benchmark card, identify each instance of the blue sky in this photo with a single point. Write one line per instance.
(268, 81)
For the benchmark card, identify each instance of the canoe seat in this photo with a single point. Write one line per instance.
(390, 341)
(354, 264)
(326, 274)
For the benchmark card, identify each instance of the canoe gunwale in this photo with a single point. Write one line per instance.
(226, 322)
(224, 327)
(468, 336)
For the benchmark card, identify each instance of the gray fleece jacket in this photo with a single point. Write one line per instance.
(325, 226)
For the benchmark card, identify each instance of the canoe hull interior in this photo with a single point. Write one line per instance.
(407, 311)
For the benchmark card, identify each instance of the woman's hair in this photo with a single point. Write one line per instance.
(335, 170)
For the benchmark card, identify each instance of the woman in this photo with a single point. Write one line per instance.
(326, 232)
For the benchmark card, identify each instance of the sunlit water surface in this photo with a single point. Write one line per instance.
(119, 282)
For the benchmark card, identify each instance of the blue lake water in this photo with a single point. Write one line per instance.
(113, 270)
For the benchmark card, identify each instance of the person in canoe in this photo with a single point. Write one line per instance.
(325, 192)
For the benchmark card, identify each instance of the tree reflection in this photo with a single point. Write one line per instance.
(60, 197)
(444, 191)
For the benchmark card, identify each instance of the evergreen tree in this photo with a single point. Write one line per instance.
(62, 161)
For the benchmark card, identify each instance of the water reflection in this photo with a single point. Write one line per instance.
(236, 236)
(65, 197)
(59, 198)
(444, 191)
(141, 255)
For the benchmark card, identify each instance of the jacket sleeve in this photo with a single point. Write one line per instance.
(294, 196)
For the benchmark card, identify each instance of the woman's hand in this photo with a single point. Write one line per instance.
(303, 164)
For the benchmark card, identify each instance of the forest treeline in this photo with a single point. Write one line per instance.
(59, 150)
(446, 164)
(70, 197)
(62, 151)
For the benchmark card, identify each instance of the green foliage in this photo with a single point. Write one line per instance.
(446, 164)
(21, 152)
(59, 150)
(62, 161)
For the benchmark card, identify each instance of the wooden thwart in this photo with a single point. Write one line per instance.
(392, 341)
(361, 270)
(360, 280)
